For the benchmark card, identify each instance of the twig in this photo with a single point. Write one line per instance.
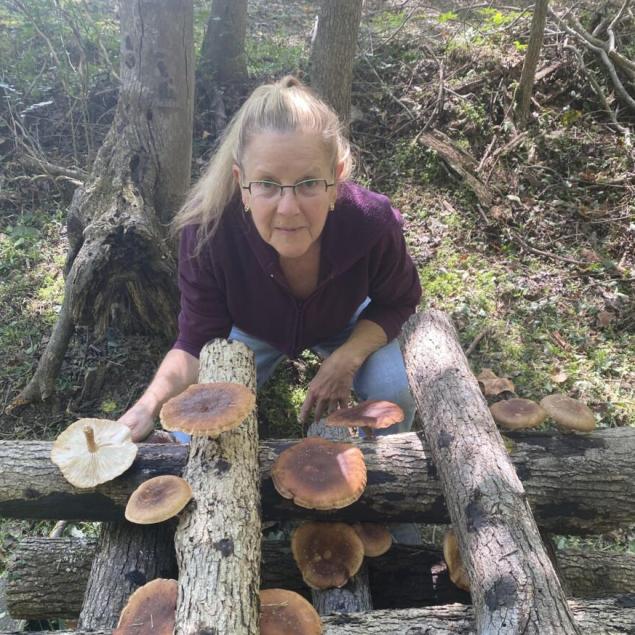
(475, 342)
(539, 252)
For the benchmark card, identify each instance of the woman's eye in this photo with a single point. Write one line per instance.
(268, 185)
(310, 183)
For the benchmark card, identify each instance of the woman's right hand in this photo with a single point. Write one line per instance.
(140, 421)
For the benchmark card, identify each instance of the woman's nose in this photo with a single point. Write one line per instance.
(288, 203)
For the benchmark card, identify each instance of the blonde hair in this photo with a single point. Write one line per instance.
(284, 106)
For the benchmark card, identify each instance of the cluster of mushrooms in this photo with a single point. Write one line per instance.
(514, 413)
(315, 473)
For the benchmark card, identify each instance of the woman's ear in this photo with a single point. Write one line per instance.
(244, 194)
(339, 170)
(236, 173)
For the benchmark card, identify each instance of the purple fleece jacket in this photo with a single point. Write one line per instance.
(237, 278)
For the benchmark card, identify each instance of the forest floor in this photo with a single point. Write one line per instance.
(548, 271)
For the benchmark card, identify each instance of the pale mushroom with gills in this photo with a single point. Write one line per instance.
(207, 410)
(327, 554)
(93, 451)
(376, 538)
(518, 414)
(286, 612)
(569, 413)
(320, 474)
(368, 415)
(452, 557)
(151, 610)
(158, 499)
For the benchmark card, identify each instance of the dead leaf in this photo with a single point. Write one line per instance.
(589, 255)
(605, 318)
(491, 385)
(559, 377)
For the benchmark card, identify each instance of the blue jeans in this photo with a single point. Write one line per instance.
(381, 376)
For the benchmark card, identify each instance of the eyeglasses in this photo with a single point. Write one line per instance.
(309, 188)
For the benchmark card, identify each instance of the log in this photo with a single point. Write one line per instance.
(613, 616)
(127, 557)
(354, 596)
(513, 584)
(218, 537)
(576, 484)
(47, 576)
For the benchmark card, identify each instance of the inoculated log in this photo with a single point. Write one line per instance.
(513, 584)
(127, 557)
(218, 537)
(614, 616)
(47, 576)
(576, 484)
(354, 596)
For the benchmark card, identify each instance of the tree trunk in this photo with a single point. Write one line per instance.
(222, 59)
(218, 538)
(127, 557)
(120, 266)
(514, 586)
(532, 56)
(597, 495)
(333, 52)
(615, 616)
(47, 577)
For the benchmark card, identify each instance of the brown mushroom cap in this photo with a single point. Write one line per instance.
(151, 610)
(158, 499)
(286, 612)
(320, 474)
(375, 537)
(516, 414)
(367, 414)
(569, 413)
(327, 554)
(206, 410)
(452, 557)
(93, 451)
(492, 385)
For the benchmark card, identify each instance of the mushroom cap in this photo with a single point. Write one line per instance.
(320, 474)
(206, 410)
(287, 612)
(375, 537)
(492, 385)
(569, 413)
(151, 610)
(368, 414)
(516, 414)
(112, 454)
(327, 554)
(158, 499)
(452, 557)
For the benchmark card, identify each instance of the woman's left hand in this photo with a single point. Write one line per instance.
(331, 387)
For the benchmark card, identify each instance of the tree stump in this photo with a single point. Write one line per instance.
(218, 536)
(513, 584)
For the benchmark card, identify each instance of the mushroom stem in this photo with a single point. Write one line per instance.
(90, 439)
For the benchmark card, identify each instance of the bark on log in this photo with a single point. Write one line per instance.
(614, 616)
(127, 557)
(577, 484)
(354, 596)
(514, 586)
(120, 266)
(47, 576)
(218, 537)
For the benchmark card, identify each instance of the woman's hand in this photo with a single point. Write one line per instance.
(140, 420)
(331, 387)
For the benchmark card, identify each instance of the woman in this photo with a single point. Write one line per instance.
(280, 251)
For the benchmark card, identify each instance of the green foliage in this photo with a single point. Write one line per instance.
(447, 17)
(495, 18)
(273, 56)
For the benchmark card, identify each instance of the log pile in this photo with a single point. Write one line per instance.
(573, 484)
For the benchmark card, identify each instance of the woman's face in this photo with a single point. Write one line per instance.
(292, 222)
